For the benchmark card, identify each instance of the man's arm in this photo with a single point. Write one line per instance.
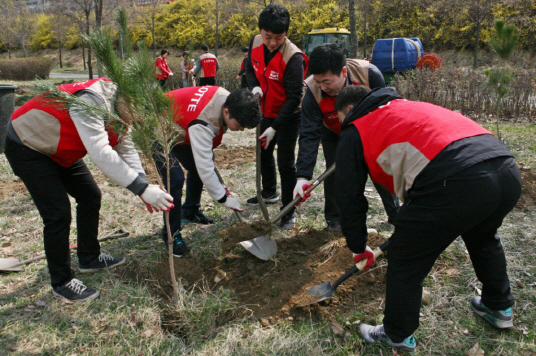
(376, 79)
(250, 72)
(197, 67)
(293, 83)
(201, 139)
(90, 126)
(351, 176)
(310, 136)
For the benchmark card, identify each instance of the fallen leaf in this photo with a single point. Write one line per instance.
(466, 332)
(475, 351)
(40, 303)
(336, 327)
(6, 244)
(451, 271)
(524, 330)
(147, 334)
(132, 321)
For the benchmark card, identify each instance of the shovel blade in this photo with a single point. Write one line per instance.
(11, 264)
(262, 247)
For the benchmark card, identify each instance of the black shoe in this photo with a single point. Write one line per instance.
(288, 221)
(197, 218)
(75, 291)
(268, 198)
(179, 246)
(103, 261)
(333, 226)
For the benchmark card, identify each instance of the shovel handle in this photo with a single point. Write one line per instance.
(258, 174)
(296, 200)
(360, 265)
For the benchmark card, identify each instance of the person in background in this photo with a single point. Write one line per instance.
(331, 72)
(45, 146)
(275, 71)
(185, 69)
(455, 179)
(206, 67)
(161, 67)
(242, 74)
(203, 114)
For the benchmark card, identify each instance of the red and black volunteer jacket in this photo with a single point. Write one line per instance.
(402, 144)
(161, 69)
(280, 75)
(318, 112)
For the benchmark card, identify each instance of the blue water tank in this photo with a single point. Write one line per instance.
(393, 55)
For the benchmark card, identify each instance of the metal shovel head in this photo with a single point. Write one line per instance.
(320, 292)
(11, 264)
(262, 247)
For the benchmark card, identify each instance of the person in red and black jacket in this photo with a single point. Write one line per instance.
(45, 145)
(275, 72)
(161, 68)
(454, 178)
(206, 67)
(331, 72)
(242, 74)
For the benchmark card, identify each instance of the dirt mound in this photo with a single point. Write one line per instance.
(528, 194)
(276, 289)
(226, 157)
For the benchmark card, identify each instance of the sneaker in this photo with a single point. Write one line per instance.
(372, 334)
(103, 261)
(179, 246)
(333, 227)
(268, 198)
(501, 319)
(75, 291)
(197, 218)
(288, 221)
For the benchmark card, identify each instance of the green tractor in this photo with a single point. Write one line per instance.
(337, 35)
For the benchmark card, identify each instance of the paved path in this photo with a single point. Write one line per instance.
(70, 76)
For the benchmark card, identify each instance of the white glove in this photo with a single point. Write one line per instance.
(266, 137)
(298, 189)
(157, 198)
(257, 91)
(171, 74)
(232, 203)
(192, 70)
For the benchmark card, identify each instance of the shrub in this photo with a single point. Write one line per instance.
(25, 68)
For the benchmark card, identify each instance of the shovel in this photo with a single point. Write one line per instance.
(262, 246)
(326, 290)
(260, 199)
(16, 265)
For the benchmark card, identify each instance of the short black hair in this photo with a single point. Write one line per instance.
(274, 18)
(327, 57)
(350, 95)
(164, 51)
(244, 107)
(204, 47)
(245, 49)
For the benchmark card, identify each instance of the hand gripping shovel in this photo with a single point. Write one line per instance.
(326, 290)
(16, 265)
(262, 246)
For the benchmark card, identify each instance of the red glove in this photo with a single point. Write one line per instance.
(148, 206)
(367, 255)
(305, 187)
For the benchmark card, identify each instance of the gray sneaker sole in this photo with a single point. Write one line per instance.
(493, 321)
(86, 299)
(89, 270)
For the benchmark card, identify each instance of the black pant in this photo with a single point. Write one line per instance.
(473, 204)
(243, 82)
(207, 81)
(49, 185)
(285, 138)
(331, 210)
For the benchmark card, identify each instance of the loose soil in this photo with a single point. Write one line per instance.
(528, 194)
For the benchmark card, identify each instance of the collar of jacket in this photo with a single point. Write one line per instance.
(370, 102)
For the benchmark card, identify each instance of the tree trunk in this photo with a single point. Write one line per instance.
(84, 55)
(89, 66)
(217, 28)
(59, 49)
(98, 24)
(353, 29)
(365, 31)
(477, 40)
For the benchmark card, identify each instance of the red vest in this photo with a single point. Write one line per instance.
(63, 143)
(402, 137)
(189, 104)
(209, 64)
(271, 76)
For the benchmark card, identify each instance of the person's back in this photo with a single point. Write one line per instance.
(207, 67)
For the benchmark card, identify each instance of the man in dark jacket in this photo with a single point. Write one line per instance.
(331, 72)
(454, 178)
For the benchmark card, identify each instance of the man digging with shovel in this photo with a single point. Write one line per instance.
(454, 178)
